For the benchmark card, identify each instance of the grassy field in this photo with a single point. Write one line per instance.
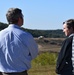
(43, 70)
(45, 62)
(49, 44)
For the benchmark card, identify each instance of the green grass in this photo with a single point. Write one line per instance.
(44, 64)
(42, 70)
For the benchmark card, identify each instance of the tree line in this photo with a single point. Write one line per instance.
(36, 33)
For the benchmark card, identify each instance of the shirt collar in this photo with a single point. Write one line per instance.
(71, 35)
(14, 26)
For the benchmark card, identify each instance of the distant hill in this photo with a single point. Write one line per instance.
(36, 33)
(3, 25)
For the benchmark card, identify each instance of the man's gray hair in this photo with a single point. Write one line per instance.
(13, 14)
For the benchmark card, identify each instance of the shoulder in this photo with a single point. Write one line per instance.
(68, 40)
(28, 36)
(4, 31)
(24, 35)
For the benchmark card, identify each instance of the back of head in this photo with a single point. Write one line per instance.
(13, 14)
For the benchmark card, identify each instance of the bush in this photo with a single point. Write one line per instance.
(45, 59)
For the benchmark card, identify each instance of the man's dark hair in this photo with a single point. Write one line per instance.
(70, 23)
(13, 14)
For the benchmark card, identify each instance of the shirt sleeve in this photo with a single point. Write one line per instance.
(31, 45)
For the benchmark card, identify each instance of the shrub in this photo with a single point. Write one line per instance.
(45, 59)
